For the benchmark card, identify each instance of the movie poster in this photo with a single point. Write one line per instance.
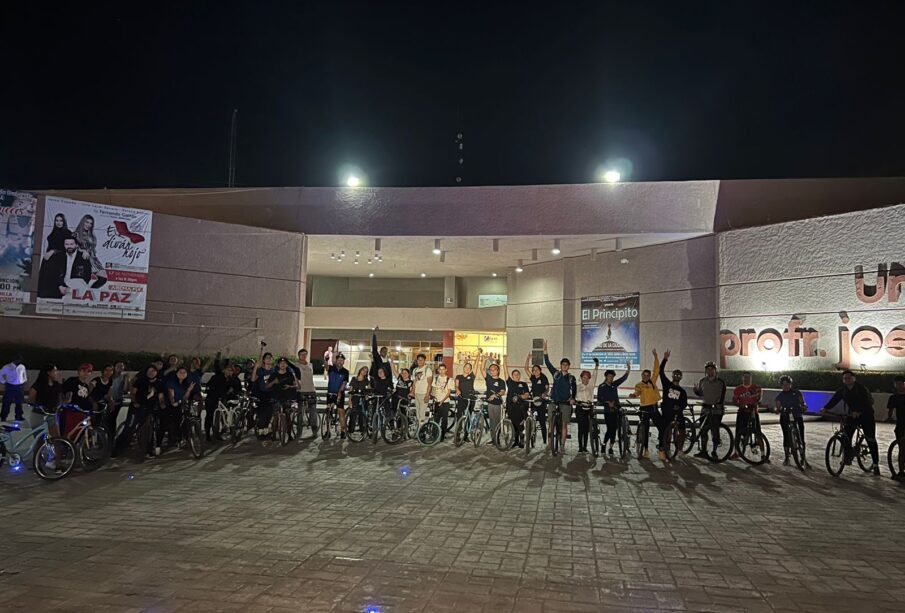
(610, 331)
(94, 260)
(17, 231)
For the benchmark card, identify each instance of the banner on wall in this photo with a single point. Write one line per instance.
(94, 260)
(610, 330)
(17, 231)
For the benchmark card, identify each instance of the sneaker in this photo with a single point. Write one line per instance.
(897, 476)
(50, 465)
(714, 456)
(662, 455)
(342, 435)
(702, 454)
(646, 454)
(875, 469)
(156, 451)
(610, 451)
(786, 461)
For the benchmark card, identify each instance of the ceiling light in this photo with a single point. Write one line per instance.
(493, 274)
(343, 252)
(436, 250)
(556, 250)
(353, 181)
(423, 274)
(356, 261)
(370, 274)
(369, 260)
(496, 245)
(357, 253)
(612, 176)
(519, 267)
(332, 256)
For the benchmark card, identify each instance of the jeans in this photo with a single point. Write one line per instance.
(134, 419)
(583, 418)
(542, 419)
(867, 423)
(663, 426)
(646, 415)
(12, 395)
(611, 419)
(716, 420)
(785, 420)
(742, 418)
(210, 405)
(496, 415)
(442, 417)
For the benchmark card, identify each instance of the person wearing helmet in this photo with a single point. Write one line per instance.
(712, 390)
(860, 408)
(790, 398)
(747, 398)
(675, 400)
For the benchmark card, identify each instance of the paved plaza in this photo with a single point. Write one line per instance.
(343, 527)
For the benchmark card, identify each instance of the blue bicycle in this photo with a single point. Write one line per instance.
(52, 458)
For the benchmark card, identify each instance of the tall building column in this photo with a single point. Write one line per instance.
(450, 295)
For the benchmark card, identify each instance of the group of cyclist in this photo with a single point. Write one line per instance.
(168, 386)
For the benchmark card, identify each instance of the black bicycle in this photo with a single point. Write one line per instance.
(192, 430)
(752, 445)
(840, 451)
(695, 437)
(556, 429)
(792, 436)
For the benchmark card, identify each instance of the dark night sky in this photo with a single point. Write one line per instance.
(123, 95)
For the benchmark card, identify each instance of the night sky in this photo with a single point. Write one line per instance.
(122, 95)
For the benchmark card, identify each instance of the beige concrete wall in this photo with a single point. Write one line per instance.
(376, 292)
(677, 282)
(348, 318)
(470, 288)
(211, 285)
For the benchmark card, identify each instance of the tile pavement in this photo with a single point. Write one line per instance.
(342, 527)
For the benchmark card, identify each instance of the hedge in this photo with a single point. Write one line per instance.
(817, 380)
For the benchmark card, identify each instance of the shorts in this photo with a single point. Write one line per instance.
(565, 410)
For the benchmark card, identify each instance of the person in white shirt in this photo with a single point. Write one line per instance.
(441, 389)
(423, 377)
(13, 376)
(584, 410)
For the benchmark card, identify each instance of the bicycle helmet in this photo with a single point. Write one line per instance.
(676, 372)
(709, 364)
(785, 379)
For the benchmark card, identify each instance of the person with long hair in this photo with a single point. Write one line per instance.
(358, 392)
(87, 241)
(540, 390)
(57, 236)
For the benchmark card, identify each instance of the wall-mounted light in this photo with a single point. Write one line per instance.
(556, 250)
(519, 267)
(493, 274)
(423, 274)
(371, 274)
(436, 250)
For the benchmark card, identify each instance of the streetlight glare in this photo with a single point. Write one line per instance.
(353, 181)
(612, 176)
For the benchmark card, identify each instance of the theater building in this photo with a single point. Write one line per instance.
(771, 274)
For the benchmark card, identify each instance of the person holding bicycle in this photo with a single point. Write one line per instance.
(178, 390)
(358, 392)
(441, 389)
(147, 395)
(464, 391)
(562, 395)
(608, 397)
(584, 409)
(496, 391)
(540, 390)
(896, 403)
(712, 390)
(648, 398)
(860, 405)
(259, 377)
(792, 401)
(517, 395)
(675, 400)
(404, 389)
(747, 398)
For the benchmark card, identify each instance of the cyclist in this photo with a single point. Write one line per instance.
(404, 387)
(223, 385)
(101, 388)
(76, 391)
(283, 385)
(496, 391)
(178, 388)
(379, 360)
(259, 377)
(441, 389)
(14, 376)
(860, 406)
(147, 395)
(896, 403)
(608, 396)
(675, 400)
(712, 390)
(517, 395)
(562, 395)
(540, 390)
(358, 391)
(337, 379)
(464, 391)
(648, 397)
(422, 375)
(120, 385)
(584, 393)
(790, 398)
(747, 398)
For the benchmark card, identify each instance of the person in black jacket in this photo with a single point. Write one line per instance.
(675, 399)
(57, 273)
(860, 409)
(379, 361)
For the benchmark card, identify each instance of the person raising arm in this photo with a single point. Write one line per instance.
(562, 394)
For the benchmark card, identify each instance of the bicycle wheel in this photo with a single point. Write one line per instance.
(675, 440)
(624, 434)
(285, 428)
(236, 430)
(477, 432)
(325, 424)
(505, 434)
(796, 450)
(724, 450)
(355, 426)
(862, 453)
(196, 439)
(429, 433)
(375, 429)
(145, 439)
(413, 425)
(530, 434)
(394, 427)
(556, 441)
(639, 438)
(754, 448)
(691, 436)
(461, 431)
(54, 459)
(894, 457)
(835, 454)
(94, 449)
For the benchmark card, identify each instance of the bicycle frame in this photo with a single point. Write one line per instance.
(37, 435)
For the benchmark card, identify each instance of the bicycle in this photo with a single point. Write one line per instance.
(392, 423)
(52, 458)
(504, 432)
(896, 458)
(839, 450)
(697, 427)
(752, 445)
(191, 429)
(357, 422)
(676, 434)
(796, 445)
(624, 429)
(480, 423)
(593, 426)
(555, 430)
(304, 415)
(330, 422)
(642, 434)
(229, 419)
(430, 431)
(463, 423)
(92, 443)
(529, 428)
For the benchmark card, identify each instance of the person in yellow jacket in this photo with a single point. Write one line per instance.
(649, 397)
